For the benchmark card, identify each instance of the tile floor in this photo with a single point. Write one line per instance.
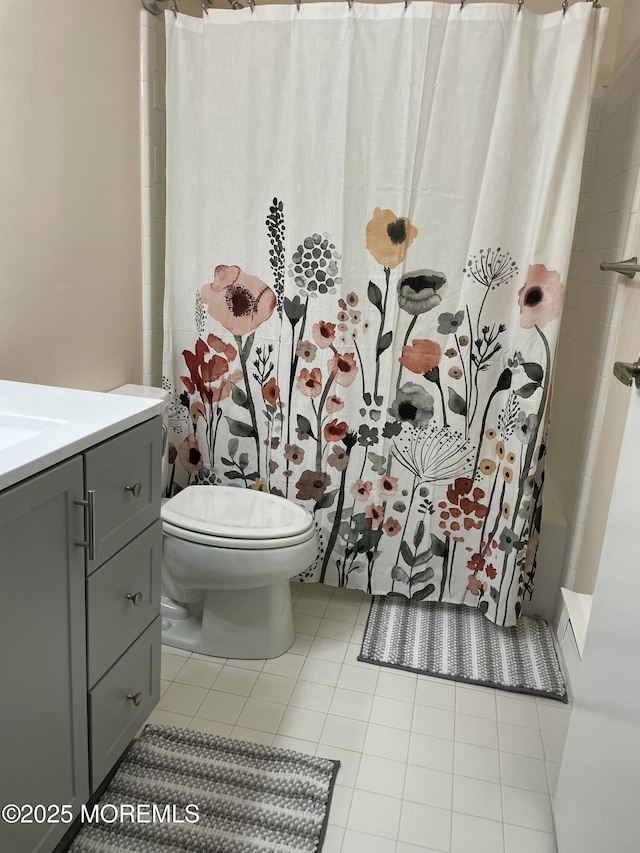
(427, 764)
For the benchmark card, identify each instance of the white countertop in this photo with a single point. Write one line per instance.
(41, 425)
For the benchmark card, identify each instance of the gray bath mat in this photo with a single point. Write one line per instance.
(457, 642)
(249, 798)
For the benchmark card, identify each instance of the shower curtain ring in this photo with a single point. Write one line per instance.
(174, 8)
(406, 5)
(252, 5)
(298, 5)
(565, 6)
(462, 2)
(520, 5)
(350, 2)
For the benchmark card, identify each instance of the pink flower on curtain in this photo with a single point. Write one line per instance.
(343, 368)
(375, 514)
(541, 298)
(392, 526)
(388, 485)
(361, 490)
(339, 458)
(334, 404)
(309, 382)
(475, 586)
(189, 455)
(239, 301)
(306, 350)
(323, 333)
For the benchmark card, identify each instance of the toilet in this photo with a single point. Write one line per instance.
(228, 556)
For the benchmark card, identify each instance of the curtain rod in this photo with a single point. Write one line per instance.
(157, 7)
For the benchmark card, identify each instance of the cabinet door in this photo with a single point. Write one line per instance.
(125, 474)
(43, 713)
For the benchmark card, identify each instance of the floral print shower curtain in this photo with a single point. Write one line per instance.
(368, 227)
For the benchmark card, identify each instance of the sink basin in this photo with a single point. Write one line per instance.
(15, 429)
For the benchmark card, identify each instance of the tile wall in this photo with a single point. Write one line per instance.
(582, 421)
(153, 162)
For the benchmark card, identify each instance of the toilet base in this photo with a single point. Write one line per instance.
(250, 624)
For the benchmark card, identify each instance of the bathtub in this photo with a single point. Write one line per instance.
(550, 558)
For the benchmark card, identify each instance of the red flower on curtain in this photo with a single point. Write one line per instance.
(271, 392)
(421, 357)
(335, 430)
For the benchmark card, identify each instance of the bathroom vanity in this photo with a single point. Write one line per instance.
(80, 560)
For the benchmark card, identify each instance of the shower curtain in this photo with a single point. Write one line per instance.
(369, 221)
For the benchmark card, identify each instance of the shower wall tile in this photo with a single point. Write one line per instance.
(153, 164)
(606, 225)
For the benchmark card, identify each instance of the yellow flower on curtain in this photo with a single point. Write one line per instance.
(389, 236)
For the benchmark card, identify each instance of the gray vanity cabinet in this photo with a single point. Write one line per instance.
(80, 628)
(43, 708)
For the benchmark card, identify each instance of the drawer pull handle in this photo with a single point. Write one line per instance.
(90, 506)
(135, 489)
(135, 598)
(136, 698)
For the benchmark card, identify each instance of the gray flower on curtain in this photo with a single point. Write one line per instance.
(418, 291)
(314, 265)
(449, 324)
(526, 427)
(412, 405)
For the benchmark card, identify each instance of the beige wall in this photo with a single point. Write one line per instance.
(70, 270)
(628, 33)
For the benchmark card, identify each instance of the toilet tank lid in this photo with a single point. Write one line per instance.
(236, 513)
(147, 391)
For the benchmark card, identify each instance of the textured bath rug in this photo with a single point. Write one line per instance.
(457, 642)
(248, 798)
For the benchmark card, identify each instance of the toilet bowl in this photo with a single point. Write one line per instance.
(228, 556)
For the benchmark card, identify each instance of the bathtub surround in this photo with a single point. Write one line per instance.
(154, 179)
(599, 326)
(453, 642)
(378, 352)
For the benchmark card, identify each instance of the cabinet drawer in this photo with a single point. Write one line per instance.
(114, 719)
(123, 597)
(124, 473)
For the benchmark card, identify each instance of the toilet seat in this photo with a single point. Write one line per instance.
(242, 519)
